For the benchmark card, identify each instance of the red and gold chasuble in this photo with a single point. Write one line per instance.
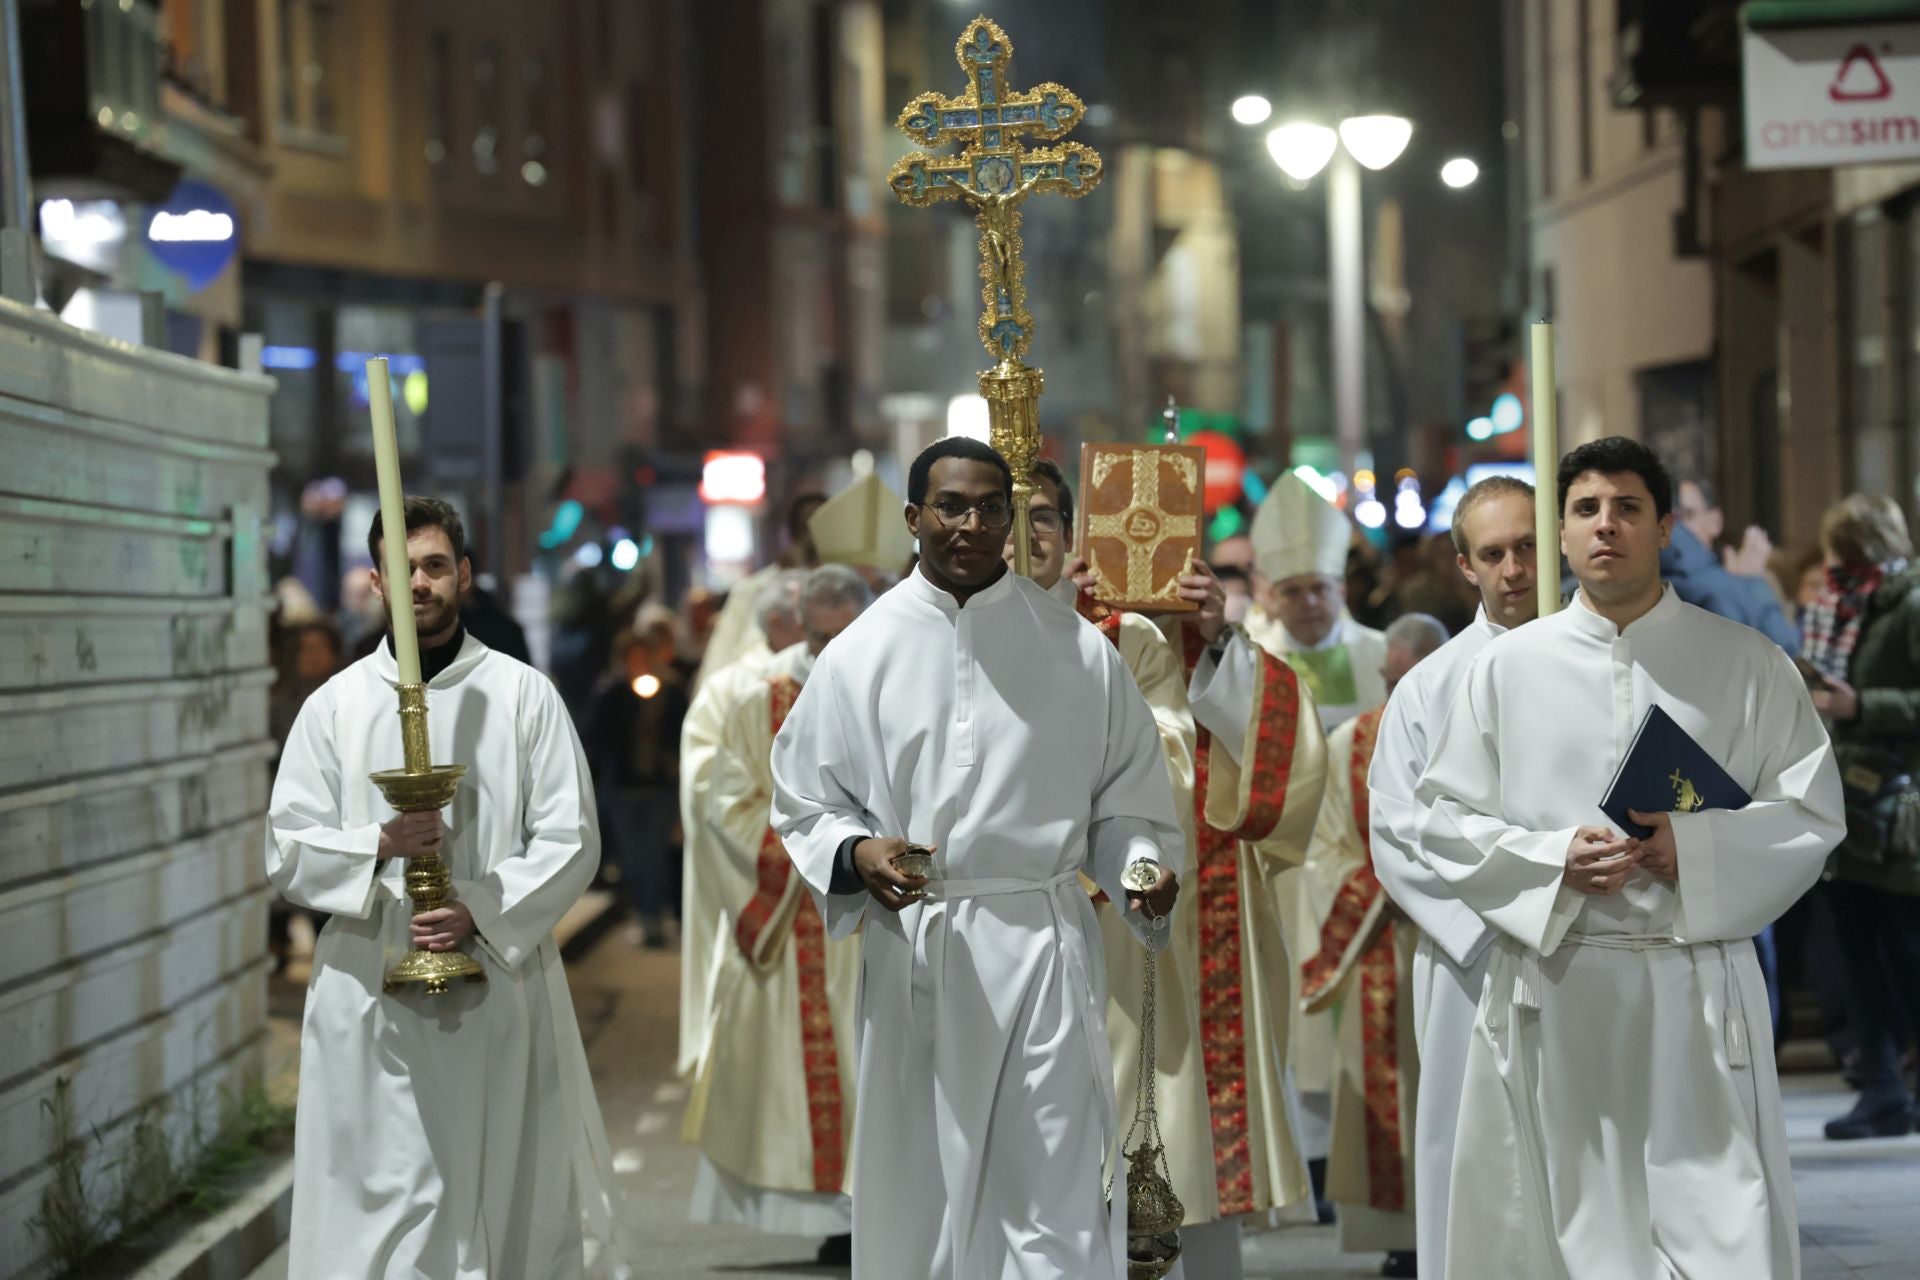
(1359, 936)
(1216, 882)
(762, 926)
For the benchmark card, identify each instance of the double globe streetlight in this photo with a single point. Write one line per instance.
(1303, 149)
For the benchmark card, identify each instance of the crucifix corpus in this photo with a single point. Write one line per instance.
(995, 172)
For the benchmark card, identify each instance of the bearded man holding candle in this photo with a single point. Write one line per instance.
(452, 1135)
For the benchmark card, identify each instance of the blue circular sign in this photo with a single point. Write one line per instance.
(196, 232)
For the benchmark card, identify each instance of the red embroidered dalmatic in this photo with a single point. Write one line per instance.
(1363, 962)
(1251, 819)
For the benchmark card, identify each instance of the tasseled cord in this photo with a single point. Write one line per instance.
(1732, 1020)
(1526, 980)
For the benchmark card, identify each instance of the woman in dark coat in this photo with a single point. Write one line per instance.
(1863, 642)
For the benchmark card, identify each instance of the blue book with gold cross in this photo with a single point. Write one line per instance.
(1666, 771)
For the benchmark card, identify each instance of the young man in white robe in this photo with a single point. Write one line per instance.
(971, 714)
(1300, 544)
(1493, 540)
(1620, 1114)
(772, 1106)
(703, 904)
(451, 1135)
(1259, 765)
(1363, 970)
(1210, 1244)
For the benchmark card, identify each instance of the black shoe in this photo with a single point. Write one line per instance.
(1876, 1117)
(835, 1251)
(1322, 1207)
(1401, 1263)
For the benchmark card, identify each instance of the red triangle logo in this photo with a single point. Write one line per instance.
(1860, 78)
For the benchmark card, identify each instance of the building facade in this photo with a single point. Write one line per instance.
(1616, 257)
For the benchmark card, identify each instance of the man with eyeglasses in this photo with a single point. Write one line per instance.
(970, 716)
(1222, 1053)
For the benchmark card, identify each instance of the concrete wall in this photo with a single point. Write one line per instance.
(1601, 202)
(133, 754)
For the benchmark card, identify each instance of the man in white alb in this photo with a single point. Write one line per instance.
(1220, 1026)
(1493, 538)
(774, 1091)
(1619, 1112)
(971, 714)
(1300, 543)
(453, 1135)
(1363, 971)
(704, 891)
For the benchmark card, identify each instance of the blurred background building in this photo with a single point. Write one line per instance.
(1722, 219)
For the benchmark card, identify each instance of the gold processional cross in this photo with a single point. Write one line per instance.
(994, 172)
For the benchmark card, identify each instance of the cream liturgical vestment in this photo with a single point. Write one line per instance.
(1260, 769)
(1180, 1083)
(1365, 962)
(734, 630)
(1620, 1115)
(1008, 735)
(1296, 532)
(772, 1106)
(457, 1135)
(1343, 671)
(702, 907)
(1450, 959)
(1344, 674)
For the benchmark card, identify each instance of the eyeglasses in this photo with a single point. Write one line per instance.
(995, 514)
(1046, 520)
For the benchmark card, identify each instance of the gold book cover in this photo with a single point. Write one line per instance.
(1140, 511)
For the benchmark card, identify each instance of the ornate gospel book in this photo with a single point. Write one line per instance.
(1140, 514)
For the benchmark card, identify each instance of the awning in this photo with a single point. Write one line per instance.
(1762, 14)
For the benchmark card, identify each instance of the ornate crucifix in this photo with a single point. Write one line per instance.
(994, 172)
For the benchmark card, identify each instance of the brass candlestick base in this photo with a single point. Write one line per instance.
(423, 788)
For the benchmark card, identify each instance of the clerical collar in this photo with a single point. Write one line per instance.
(922, 588)
(1583, 616)
(437, 659)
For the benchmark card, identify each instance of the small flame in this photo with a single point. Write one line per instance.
(646, 686)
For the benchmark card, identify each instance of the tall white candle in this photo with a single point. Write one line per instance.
(396, 571)
(1546, 466)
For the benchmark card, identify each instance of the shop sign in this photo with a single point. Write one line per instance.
(196, 232)
(1822, 96)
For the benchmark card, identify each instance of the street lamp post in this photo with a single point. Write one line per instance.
(1347, 312)
(1302, 151)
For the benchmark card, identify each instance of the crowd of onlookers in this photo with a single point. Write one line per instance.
(1847, 612)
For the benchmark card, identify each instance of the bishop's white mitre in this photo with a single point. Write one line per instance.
(863, 525)
(1297, 531)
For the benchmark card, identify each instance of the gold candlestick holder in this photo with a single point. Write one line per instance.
(423, 787)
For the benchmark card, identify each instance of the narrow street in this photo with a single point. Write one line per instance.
(1856, 1199)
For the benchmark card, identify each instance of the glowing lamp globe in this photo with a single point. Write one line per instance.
(1376, 141)
(1302, 150)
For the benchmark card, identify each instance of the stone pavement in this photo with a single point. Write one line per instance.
(1859, 1202)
